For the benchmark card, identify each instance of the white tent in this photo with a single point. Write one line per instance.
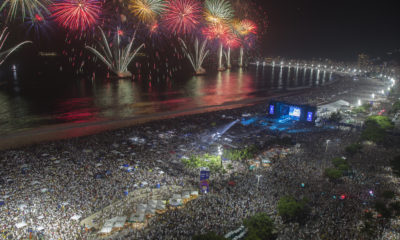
(140, 210)
(152, 202)
(108, 224)
(144, 183)
(150, 211)
(105, 230)
(160, 206)
(186, 195)
(137, 218)
(175, 202)
(176, 196)
(333, 107)
(76, 217)
(21, 224)
(194, 193)
(141, 206)
(120, 222)
(40, 228)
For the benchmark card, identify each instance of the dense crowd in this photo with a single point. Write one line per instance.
(45, 186)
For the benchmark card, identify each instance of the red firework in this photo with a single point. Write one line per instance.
(231, 40)
(182, 16)
(217, 31)
(76, 14)
(248, 26)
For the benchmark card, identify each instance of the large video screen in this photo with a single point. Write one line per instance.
(295, 112)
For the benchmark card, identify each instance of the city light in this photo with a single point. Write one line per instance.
(371, 193)
(220, 150)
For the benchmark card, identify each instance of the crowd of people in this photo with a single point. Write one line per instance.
(46, 189)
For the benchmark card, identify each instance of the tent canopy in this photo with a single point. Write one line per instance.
(334, 106)
(106, 229)
(21, 224)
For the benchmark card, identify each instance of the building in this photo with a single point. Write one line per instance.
(363, 61)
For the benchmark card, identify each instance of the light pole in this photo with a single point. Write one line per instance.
(327, 144)
(258, 179)
(220, 154)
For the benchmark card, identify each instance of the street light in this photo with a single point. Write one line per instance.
(327, 144)
(220, 154)
(258, 179)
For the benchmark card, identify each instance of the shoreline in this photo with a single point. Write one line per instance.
(26, 138)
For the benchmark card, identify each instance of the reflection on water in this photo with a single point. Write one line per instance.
(53, 101)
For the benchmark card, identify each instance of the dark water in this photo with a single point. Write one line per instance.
(24, 104)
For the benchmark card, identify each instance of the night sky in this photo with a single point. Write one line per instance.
(330, 29)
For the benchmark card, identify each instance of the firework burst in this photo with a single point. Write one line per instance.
(146, 10)
(182, 16)
(28, 8)
(76, 15)
(216, 31)
(39, 26)
(245, 27)
(230, 40)
(217, 11)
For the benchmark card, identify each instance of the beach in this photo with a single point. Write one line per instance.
(46, 184)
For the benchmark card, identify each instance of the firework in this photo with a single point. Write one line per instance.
(153, 27)
(76, 15)
(117, 58)
(28, 8)
(146, 10)
(6, 53)
(231, 40)
(196, 58)
(217, 11)
(216, 31)
(182, 16)
(38, 25)
(245, 27)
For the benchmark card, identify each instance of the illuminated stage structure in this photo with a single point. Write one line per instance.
(289, 111)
